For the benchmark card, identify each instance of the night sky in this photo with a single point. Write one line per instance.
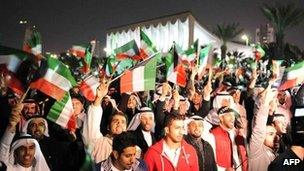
(63, 23)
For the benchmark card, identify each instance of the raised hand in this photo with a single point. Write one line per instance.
(15, 116)
(101, 91)
(194, 72)
(176, 99)
(207, 91)
(166, 89)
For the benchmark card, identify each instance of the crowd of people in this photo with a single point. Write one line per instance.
(204, 127)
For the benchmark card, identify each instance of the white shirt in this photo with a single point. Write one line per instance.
(172, 154)
(113, 168)
(147, 137)
(19, 167)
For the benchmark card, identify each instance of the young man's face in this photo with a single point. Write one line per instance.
(24, 155)
(237, 96)
(118, 124)
(125, 160)
(175, 131)
(271, 139)
(77, 105)
(227, 120)
(36, 128)
(197, 98)
(195, 128)
(132, 102)
(146, 121)
(183, 107)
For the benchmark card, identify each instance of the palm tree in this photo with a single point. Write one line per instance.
(282, 17)
(226, 32)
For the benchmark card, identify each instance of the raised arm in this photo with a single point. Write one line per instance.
(10, 133)
(260, 119)
(91, 126)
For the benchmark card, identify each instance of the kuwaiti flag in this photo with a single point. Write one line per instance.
(112, 67)
(88, 57)
(62, 113)
(188, 57)
(79, 50)
(259, 52)
(203, 58)
(88, 87)
(56, 79)
(171, 61)
(109, 66)
(10, 61)
(293, 76)
(140, 78)
(175, 72)
(33, 44)
(13, 61)
(128, 50)
(146, 46)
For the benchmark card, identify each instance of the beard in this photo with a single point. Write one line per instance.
(195, 135)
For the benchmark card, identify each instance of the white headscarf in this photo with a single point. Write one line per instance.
(217, 101)
(135, 122)
(46, 132)
(184, 99)
(190, 119)
(39, 163)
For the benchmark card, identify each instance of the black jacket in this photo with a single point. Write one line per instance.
(140, 140)
(205, 154)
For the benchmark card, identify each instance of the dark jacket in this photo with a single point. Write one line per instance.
(283, 162)
(159, 118)
(140, 140)
(202, 111)
(204, 152)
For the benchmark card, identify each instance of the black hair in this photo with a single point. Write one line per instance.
(122, 141)
(78, 97)
(226, 109)
(170, 118)
(117, 112)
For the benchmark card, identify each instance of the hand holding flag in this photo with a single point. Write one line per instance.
(101, 91)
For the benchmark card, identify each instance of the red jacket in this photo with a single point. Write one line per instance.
(157, 161)
(223, 147)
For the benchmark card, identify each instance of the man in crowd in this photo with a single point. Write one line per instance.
(292, 158)
(163, 105)
(123, 156)
(143, 125)
(24, 153)
(172, 152)
(30, 108)
(100, 146)
(280, 124)
(203, 148)
(223, 144)
(263, 138)
(37, 127)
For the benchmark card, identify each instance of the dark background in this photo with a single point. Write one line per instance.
(63, 23)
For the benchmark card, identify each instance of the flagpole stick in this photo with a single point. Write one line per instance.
(116, 78)
(210, 74)
(160, 65)
(24, 95)
(139, 63)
